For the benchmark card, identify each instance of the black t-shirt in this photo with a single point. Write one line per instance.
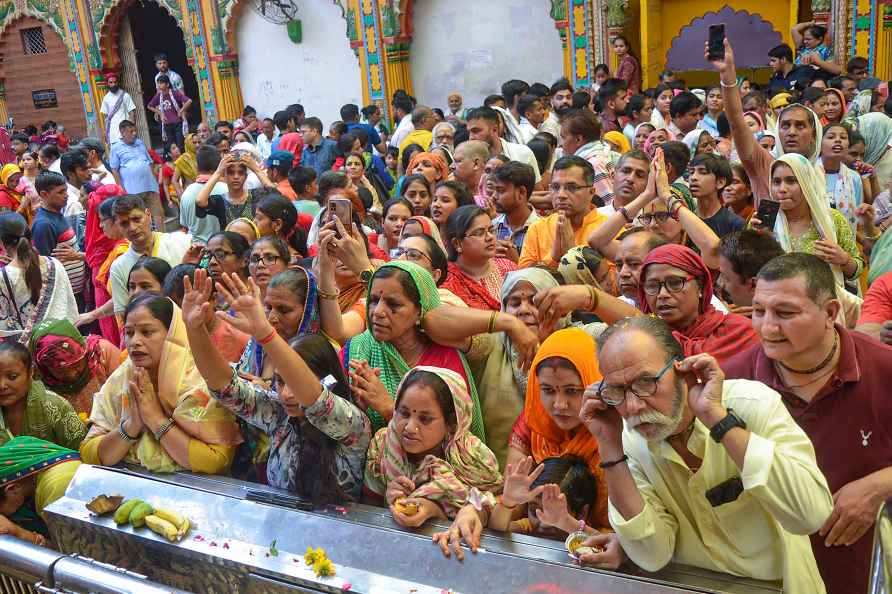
(724, 222)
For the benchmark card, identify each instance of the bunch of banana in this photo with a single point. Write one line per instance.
(169, 524)
(132, 511)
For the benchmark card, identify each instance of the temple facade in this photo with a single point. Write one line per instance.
(323, 53)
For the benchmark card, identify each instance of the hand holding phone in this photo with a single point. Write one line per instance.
(716, 49)
(767, 213)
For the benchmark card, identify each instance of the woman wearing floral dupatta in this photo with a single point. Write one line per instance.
(426, 463)
(400, 294)
(155, 410)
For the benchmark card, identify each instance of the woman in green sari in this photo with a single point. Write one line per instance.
(28, 408)
(400, 294)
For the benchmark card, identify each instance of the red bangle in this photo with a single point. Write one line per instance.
(268, 338)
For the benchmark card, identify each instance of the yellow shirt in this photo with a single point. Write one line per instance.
(52, 483)
(541, 234)
(763, 534)
(423, 137)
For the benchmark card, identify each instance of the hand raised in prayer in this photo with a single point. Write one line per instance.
(603, 422)
(661, 177)
(554, 511)
(518, 480)
(563, 237)
(401, 486)
(244, 299)
(855, 508)
(196, 299)
(427, 509)
(611, 555)
(142, 392)
(705, 380)
(505, 248)
(369, 390)
(467, 526)
(832, 253)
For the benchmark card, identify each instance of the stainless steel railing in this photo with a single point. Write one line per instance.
(27, 568)
(881, 560)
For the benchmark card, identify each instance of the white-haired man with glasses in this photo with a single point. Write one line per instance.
(706, 472)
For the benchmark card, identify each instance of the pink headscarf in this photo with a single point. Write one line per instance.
(650, 144)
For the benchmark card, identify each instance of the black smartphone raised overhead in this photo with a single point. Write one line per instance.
(717, 42)
(767, 213)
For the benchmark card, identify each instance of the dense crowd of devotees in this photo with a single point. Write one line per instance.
(660, 317)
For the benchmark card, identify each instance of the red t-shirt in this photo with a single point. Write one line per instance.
(877, 306)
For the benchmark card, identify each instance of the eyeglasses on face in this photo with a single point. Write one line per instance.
(481, 232)
(644, 386)
(411, 254)
(219, 255)
(571, 188)
(265, 259)
(673, 284)
(649, 219)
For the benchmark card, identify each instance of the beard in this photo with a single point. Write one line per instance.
(114, 88)
(562, 111)
(664, 425)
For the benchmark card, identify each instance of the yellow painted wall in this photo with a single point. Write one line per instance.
(662, 21)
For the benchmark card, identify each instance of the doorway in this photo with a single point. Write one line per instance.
(154, 31)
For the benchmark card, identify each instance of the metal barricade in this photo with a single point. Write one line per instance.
(26, 568)
(881, 560)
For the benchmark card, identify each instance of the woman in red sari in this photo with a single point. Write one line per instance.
(475, 275)
(676, 285)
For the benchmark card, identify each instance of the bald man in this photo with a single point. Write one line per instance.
(469, 159)
(424, 119)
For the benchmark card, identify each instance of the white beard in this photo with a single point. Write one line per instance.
(665, 425)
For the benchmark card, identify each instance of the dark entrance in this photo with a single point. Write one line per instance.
(154, 32)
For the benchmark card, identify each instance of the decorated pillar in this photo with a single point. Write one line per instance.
(198, 30)
(396, 31)
(883, 65)
(78, 47)
(572, 18)
(364, 30)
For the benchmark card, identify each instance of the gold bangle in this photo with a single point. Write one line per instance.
(492, 322)
(595, 299)
(328, 296)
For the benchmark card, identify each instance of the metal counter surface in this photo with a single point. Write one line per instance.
(228, 547)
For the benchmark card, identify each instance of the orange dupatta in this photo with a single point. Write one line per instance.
(547, 440)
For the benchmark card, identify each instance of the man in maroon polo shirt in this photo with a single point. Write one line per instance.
(835, 383)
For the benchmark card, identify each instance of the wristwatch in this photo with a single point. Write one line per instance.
(366, 275)
(717, 433)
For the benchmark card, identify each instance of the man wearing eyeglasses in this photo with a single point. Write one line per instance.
(707, 472)
(574, 217)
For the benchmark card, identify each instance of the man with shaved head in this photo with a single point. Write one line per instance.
(469, 160)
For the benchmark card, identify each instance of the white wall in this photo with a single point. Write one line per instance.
(473, 46)
(321, 73)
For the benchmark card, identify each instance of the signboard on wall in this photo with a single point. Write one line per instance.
(45, 98)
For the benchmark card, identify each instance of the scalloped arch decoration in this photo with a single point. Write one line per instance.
(751, 35)
(107, 25)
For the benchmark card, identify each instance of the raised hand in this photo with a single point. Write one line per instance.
(705, 379)
(366, 385)
(603, 422)
(196, 299)
(554, 511)
(244, 299)
(518, 480)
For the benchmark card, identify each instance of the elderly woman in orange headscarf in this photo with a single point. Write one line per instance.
(430, 165)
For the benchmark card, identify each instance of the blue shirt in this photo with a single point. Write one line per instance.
(321, 157)
(373, 137)
(49, 231)
(134, 166)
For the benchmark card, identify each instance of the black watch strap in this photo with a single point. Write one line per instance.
(730, 421)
